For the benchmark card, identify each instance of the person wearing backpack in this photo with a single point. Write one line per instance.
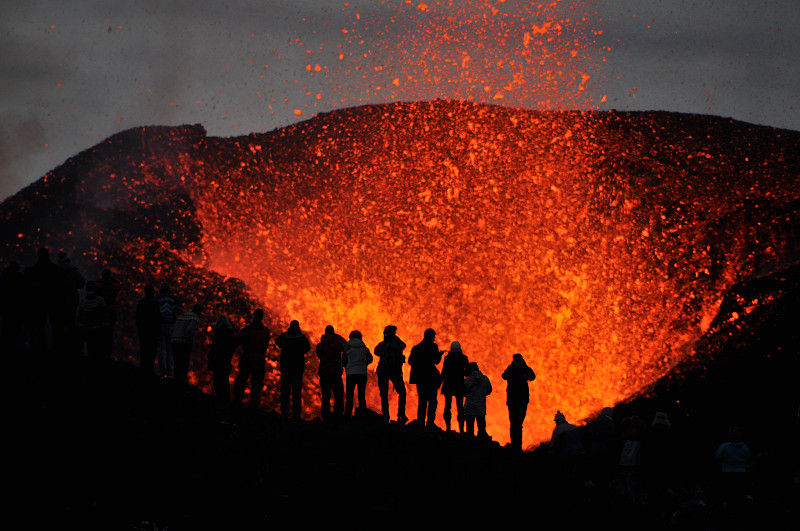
(390, 369)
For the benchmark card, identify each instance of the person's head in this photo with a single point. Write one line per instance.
(455, 345)
(62, 258)
(734, 434)
(355, 334)
(105, 274)
(517, 357)
(43, 253)
(223, 322)
(390, 330)
(294, 326)
(661, 419)
(149, 291)
(91, 287)
(329, 330)
(473, 366)
(559, 418)
(430, 333)
(258, 315)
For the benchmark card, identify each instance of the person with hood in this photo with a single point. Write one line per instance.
(355, 359)
(220, 356)
(70, 283)
(292, 364)
(254, 339)
(454, 370)
(423, 359)
(517, 374)
(390, 369)
(329, 351)
(476, 388)
(183, 333)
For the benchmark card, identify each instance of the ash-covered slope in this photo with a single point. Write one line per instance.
(600, 245)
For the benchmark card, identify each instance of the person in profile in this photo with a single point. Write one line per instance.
(90, 321)
(186, 326)
(108, 287)
(220, 356)
(517, 375)
(390, 369)
(329, 351)
(423, 359)
(356, 358)
(148, 328)
(170, 307)
(454, 371)
(254, 339)
(476, 388)
(292, 363)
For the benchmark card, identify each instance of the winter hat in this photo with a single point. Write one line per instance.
(559, 418)
(390, 330)
(329, 329)
(455, 345)
(517, 357)
(355, 333)
(661, 419)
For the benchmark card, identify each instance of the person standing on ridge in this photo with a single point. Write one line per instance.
(517, 374)
(220, 355)
(254, 338)
(182, 338)
(423, 359)
(454, 370)
(292, 363)
(148, 328)
(329, 351)
(355, 359)
(390, 369)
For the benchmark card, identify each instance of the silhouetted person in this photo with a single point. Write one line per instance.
(355, 359)
(220, 356)
(734, 458)
(42, 281)
(517, 375)
(254, 339)
(566, 447)
(171, 308)
(390, 369)
(658, 459)
(454, 370)
(70, 284)
(148, 328)
(12, 308)
(476, 388)
(629, 481)
(90, 321)
(329, 351)
(186, 326)
(293, 344)
(423, 359)
(603, 447)
(109, 287)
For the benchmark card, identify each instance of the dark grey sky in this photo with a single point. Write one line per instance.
(74, 73)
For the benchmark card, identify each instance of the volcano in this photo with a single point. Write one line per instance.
(600, 245)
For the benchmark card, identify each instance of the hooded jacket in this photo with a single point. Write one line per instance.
(476, 388)
(293, 344)
(329, 351)
(356, 357)
(518, 374)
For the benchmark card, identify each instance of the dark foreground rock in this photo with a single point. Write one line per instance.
(101, 446)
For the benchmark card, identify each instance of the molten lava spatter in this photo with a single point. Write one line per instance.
(598, 245)
(595, 246)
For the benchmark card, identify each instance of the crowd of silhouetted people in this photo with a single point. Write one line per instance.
(50, 306)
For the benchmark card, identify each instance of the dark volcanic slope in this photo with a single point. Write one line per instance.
(599, 244)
